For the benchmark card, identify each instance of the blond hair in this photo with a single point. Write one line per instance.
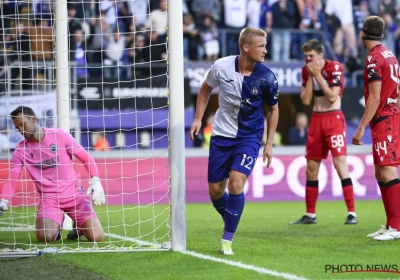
(247, 34)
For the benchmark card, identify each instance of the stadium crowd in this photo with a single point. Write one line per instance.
(109, 32)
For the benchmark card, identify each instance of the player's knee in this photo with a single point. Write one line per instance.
(311, 173)
(46, 235)
(236, 186)
(216, 190)
(96, 235)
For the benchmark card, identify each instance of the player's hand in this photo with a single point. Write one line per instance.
(313, 68)
(195, 128)
(95, 187)
(3, 206)
(267, 154)
(358, 136)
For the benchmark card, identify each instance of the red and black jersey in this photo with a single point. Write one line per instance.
(381, 65)
(332, 73)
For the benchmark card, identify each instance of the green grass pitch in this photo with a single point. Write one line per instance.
(264, 240)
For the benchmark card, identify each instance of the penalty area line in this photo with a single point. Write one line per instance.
(241, 265)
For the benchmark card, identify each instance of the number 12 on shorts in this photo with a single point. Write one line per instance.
(247, 161)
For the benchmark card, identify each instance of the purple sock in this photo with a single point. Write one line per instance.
(233, 212)
(220, 203)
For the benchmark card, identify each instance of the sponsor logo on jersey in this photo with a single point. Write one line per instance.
(336, 73)
(371, 65)
(391, 101)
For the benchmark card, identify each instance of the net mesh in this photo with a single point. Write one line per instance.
(118, 84)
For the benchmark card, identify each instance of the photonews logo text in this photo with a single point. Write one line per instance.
(347, 268)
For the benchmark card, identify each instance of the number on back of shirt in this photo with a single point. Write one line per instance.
(394, 74)
(247, 161)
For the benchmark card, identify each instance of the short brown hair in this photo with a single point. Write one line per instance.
(373, 26)
(247, 33)
(313, 45)
(24, 110)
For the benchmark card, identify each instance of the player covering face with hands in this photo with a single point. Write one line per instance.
(47, 155)
(245, 84)
(323, 80)
(381, 79)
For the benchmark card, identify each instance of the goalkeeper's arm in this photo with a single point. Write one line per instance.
(98, 197)
(8, 190)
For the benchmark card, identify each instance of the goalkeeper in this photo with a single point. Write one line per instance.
(47, 155)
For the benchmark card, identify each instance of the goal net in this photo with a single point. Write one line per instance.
(113, 97)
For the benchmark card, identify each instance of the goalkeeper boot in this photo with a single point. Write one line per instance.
(73, 234)
(381, 231)
(226, 247)
(351, 220)
(305, 220)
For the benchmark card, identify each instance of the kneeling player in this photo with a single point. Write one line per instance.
(47, 156)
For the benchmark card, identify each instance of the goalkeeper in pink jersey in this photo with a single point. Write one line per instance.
(47, 154)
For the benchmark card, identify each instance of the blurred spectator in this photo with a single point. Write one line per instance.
(235, 19)
(156, 50)
(140, 11)
(388, 7)
(41, 39)
(253, 13)
(282, 15)
(114, 52)
(210, 39)
(109, 10)
(343, 10)
(192, 47)
(73, 25)
(202, 8)
(23, 53)
(298, 133)
(158, 20)
(136, 50)
(100, 31)
(101, 143)
(79, 53)
(4, 143)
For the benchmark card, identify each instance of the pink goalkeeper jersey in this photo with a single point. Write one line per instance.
(49, 163)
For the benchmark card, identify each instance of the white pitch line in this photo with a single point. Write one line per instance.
(241, 265)
(261, 270)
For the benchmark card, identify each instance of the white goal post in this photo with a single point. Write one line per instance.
(144, 183)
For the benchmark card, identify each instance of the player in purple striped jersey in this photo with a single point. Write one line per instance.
(245, 84)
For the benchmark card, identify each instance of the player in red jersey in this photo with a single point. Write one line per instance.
(381, 79)
(324, 80)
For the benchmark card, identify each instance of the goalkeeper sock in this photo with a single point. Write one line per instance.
(393, 193)
(233, 212)
(385, 200)
(348, 194)
(311, 196)
(220, 204)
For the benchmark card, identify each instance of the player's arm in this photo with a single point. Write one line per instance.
(307, 87)
(398, 92)
(307, 92)
(11, 183)
(372, 103)
(272, 123)
(205, 91)
(75, 149)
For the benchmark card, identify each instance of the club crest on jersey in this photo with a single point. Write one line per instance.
(31, 155)
(254, 91)
(53, 148)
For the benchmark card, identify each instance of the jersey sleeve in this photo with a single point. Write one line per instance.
(17, 164)
(271, 95)
(337, 76)
(374, 68)
(72, 147)
(304, 76)
(212, 77)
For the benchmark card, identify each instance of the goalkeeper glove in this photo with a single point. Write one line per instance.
(3, 206)
(98, 196)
